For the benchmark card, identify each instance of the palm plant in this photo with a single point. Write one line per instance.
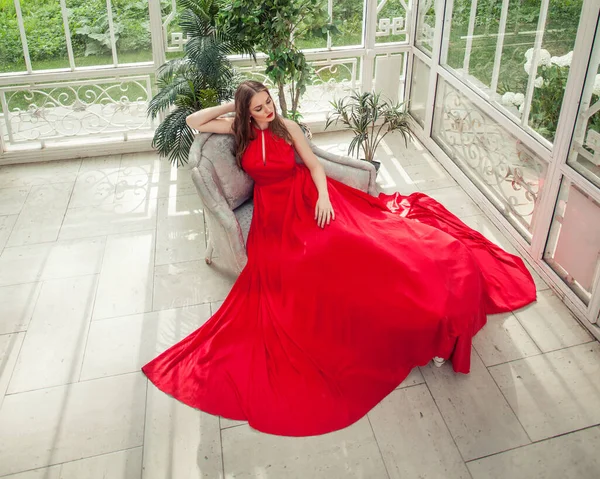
(204, 77)
(371, 118)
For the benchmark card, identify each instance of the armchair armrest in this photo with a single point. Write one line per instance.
(359, 174)
(219, 215)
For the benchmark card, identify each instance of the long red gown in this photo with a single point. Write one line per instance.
(322, 324)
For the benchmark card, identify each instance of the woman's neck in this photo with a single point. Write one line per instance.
(261, 125)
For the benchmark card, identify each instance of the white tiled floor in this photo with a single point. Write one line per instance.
(101, 268)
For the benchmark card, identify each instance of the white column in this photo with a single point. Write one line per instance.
(499, 46)
(539, 36)
(111, 31)
(469, 46)
(65, 17)
(330, 12)
(435, 65)
(23, 36)
(370, 27)
(156, 33)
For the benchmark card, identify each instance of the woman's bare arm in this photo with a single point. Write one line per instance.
(323, 210)
(207, 120)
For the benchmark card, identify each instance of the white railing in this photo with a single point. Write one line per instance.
(61, 110)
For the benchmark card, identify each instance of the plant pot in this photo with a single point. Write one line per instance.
(375, 163)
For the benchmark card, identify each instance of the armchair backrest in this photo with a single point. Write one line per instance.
(217, 151)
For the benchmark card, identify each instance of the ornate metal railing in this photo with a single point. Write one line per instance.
(77, 108)
(507, 171)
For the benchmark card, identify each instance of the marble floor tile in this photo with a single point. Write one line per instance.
(550, 324)
(144, 162)
(179, 441)
(349, 453)
(93, 188)
(124, 344)
(214, 307)
(67, 423)
(415, 377)
(488, 229)
(105, 219)
(192, 282)
(180, 230)
(134, 225)
(503, 339)
(427, 177)
(10, 347)
(456, 201)
(413, 438)
(29, 174)
(227, 423)
(7, 223)
(42, 214)
(554, 393)
(572, 456)
(53, 349)
(100, 164)
(127, 275)
(60, 259)
(477, 414)
(12, 200)
(16, 306)
(125, 464)
(158, 184)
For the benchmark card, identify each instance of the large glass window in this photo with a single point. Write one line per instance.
(585, 148)
(426, 25)
(573, 248)
(517, 54)
(419, 90)
(92, 27)
(392, 21)
(347, 16)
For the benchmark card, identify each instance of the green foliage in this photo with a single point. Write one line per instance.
(203, 78)
(88, 22)
(272, 26)
(44, 29)
(370, 117)
(547, 100)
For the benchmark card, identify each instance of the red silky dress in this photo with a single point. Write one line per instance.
(322, 324)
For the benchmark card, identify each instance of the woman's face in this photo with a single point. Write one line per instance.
(262, 108)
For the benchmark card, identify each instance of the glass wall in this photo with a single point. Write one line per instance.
(516, 54)
(419, 90)
(516, 107)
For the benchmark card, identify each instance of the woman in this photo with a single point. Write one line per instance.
(343, 293)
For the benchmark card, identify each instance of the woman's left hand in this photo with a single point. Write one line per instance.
(324, 211)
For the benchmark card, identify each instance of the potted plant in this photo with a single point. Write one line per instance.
(371, 118)
(273, 27)
(204, 77)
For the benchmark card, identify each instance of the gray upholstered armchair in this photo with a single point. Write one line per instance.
(226, 192)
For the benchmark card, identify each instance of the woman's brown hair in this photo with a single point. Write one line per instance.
(242, 123)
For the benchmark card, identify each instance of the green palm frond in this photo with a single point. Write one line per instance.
(175, 68)
(173, 79)
(204, 77)
(167, 95)
(173, 138)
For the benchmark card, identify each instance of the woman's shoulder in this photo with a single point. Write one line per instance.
(291, 125)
